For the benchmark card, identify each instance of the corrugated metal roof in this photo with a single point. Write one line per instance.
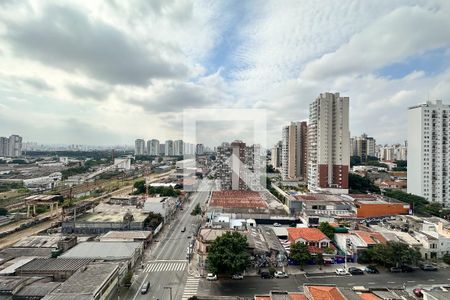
(55, 264)
(103, 250)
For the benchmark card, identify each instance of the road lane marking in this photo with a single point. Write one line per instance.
(391, 281)
(430, 279)
(371, 283)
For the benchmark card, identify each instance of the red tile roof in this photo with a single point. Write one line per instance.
(308, 234)
(262, 297)
(237, 199)
(370, 238)
(319, 292)
(297, 296)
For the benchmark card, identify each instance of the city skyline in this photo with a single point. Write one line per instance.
(175, 55)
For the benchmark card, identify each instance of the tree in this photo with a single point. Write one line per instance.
(3, 211)
(355, 161)
(228, 254)
(300, 253)
(319, 259)
(327, 229)
(359, 184)
(139, 187)
(197, 210)
(391, 254)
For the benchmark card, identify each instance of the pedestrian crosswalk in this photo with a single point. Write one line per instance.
(191, 287)
(165, 266)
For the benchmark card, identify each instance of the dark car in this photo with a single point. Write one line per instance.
(184, 229)
(395, 270)
(145, 287)
(266, 275)
(407, 269)
(355, 271)
(371, 269)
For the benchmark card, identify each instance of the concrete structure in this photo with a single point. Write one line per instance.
(362, 146)
(106, 217)
(391, 152)
(276, 155)
(139, 147)
(122, 163)
(162, 149)
(127, 236)
(168, 148)
(429, 152)
(329, 144)
(294, 151)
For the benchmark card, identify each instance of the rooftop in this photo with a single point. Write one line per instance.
(38, 241)
(55, 264)
(113, 213)
(323, 292)
(103, 250)
(308, 234)
(237, 199)
(132, 234)
(85, 283)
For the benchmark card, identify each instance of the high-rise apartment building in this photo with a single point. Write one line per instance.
(239, 166)
(392, 152)
(178, 147)
(11, 147)
(294, 150)
(153, 147)
(329, 143)
(276, 155)
(199, 149)
(169, 148)
(139, 147)
(362, 146)
(429, 152)
(162, 149)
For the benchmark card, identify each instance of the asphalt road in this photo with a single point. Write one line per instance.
(250, 286)
(165, 263)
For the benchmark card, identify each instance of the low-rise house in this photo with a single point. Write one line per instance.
(94, 281)
(354, 242)
(58, 269)
(128, 252)
(316, 241)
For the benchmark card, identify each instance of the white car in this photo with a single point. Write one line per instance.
(341, 272)
(276, 224)
(237, 276)
(211, 277)
(281, 274)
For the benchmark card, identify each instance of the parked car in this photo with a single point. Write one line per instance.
(145, 287)
(418, 292)
(428, 267)
(281, 274)
(211, 277)
(355, 271)
(371, 269)
(237, 276)
(395, 270)
(266, 275)
(341, 272)
(184, 229)
(276, 224)
(407, 269)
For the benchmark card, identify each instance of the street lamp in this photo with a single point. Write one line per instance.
(170, 291)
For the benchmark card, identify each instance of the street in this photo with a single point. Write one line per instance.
(250, 286)
(165, 262)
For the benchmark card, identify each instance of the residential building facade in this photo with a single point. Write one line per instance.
(329, 143)
(293, 155)
(363, 146)
(428, 151)
(11, 147)
(139, 147)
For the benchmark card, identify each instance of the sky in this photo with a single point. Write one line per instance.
(108, 72)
